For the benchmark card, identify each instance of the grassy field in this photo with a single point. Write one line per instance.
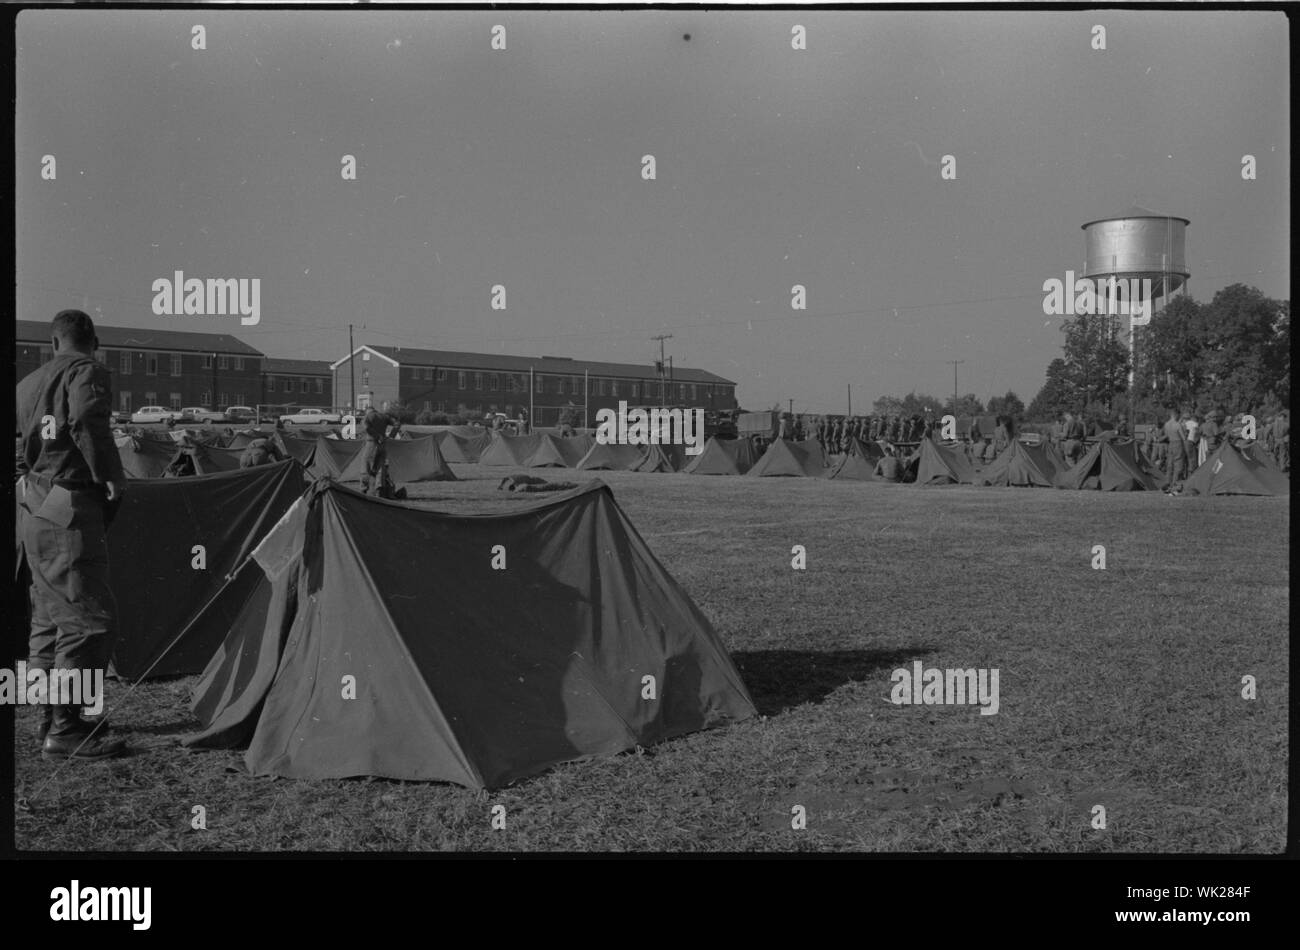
(1119, 688)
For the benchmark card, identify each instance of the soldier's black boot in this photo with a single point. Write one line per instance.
(43, 723)
(70, 737)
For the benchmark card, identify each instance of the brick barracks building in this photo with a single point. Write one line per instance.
(448, 381)
(170, 368)
(297, 383)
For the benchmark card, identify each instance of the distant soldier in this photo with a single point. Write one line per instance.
(71, 483)
(1211, 435)
(889, 468)
(1072, 438)
(873, 429)
(1281, 432)
(1193, 427)
(374, 453)
(1001, 437)
(1176, 433)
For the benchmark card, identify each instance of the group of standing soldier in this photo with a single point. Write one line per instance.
(1187, 439)
(835, 434)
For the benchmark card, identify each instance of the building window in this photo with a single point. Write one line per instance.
(124, 363)
(541, 386)
(365, 356)
(176, 364)
(478, 380)
(320, 387)
(239, 362)
(151, 399)
(693, 396)
(151, 364)
(681, 392)
(223, 362)
(175, 400)
(600, 388)
(442, 375)
(306, 386)
(576, 386)
(223, 401)
(207, 361)
(288, 385)
(635, 390)
(461, 380)
(613, 387)
(205, 400)
(428, 376)
(124, 401)
(494, 382)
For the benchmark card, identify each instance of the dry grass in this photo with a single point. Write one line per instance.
(1118, 687)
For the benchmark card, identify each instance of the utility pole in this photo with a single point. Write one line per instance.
(661, 337)
(352, 366)
(954, 384)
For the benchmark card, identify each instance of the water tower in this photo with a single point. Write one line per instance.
(1137, 245)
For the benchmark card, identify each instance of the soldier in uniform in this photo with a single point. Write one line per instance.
(70, 486)
(1281, 432)
(375, 424)
(874, 430)
(1176, 433)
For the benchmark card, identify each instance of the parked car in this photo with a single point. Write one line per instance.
(199, 414)
(308, 417)
(242, 414)
(147, 414)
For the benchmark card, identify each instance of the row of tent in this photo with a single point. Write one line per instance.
(459, 672)
(415, 460)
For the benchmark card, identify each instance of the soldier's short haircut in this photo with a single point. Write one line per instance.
(74, 327)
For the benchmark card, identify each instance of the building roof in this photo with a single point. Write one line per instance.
(38, 331)
(296, 367)
(552, 365)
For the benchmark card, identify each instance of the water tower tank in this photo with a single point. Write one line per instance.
(1139, 243)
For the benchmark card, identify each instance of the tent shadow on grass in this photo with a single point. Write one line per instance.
(781, 679)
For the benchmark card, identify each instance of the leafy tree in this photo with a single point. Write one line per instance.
(1009, 405)
(425, 418)
(1056, 396)
(967, 405)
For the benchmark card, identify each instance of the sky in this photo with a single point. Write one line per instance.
(522, 168)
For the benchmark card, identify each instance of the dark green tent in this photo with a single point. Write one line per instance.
(582, 646)
(1229, 472)
(331, 457)
(1108, 466)
(940, 464)
(723, 457)
(461, 448)
(509, 449)
(409, 460)
(785, 458)
(612, 457)
(153, 573)
(663, 458)
(145, 457)
(1021, 465)
(854, 468)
